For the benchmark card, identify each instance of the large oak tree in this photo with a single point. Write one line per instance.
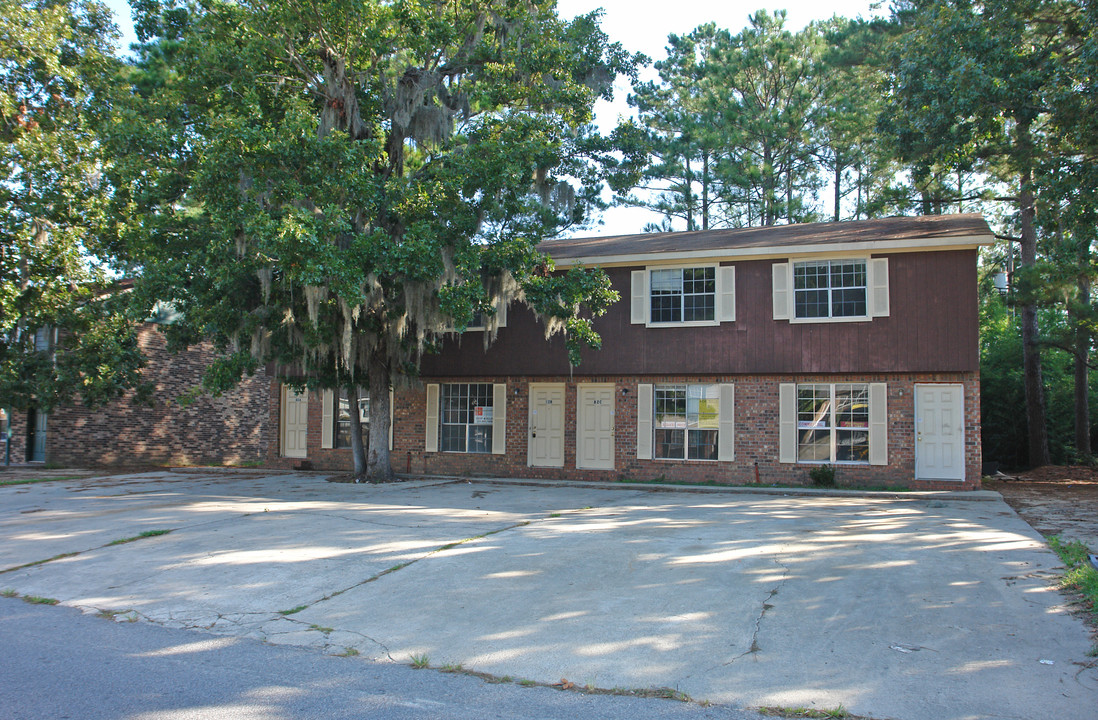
(336, 184)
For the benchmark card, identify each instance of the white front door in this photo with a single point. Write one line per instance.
(546, 443)
(295, 422)
(595, 427)
(939, 432)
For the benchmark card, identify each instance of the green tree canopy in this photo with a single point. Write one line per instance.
(62, 334)
(340, 183)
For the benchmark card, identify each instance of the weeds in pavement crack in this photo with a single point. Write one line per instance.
(139, 536)
(62, 556)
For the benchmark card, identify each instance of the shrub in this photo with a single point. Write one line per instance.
(823, 475)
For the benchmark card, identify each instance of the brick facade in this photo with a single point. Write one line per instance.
(229, 429)
(756, 433)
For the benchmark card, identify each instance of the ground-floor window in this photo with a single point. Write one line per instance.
(342, 429)
(833, 422)
(687, 420)
(466, 417)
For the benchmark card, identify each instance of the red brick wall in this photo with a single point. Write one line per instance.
(232, 428)
(756, 426)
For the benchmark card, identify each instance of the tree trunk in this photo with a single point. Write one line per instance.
(789, 193)
(358, 451)
(838, 186)
(1031, 352)
(767, 214)
(705, 190)
(1082, 393)
(378, 465)
(1082, 355)
(688, 197)
(858, 205)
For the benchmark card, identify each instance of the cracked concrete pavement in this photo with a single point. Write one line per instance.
(925, 607)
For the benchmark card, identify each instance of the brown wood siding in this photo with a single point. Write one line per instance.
(932, 327)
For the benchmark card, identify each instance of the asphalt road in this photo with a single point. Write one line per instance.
(58, 663)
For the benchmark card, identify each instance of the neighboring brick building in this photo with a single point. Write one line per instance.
(232, 428)
(734, 356)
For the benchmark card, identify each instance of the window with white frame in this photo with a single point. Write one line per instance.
(683, 295)
(833, 422)
(830, 289)
(342, 429)
(466, 417)
(686, 421)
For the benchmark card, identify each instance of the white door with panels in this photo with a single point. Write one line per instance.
(939, 432)
(546, 443)
(595, 427)
(295, 422)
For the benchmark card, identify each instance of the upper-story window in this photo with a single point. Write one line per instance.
(701, 295)
(683, 295)
(482, 321)
(829, 289)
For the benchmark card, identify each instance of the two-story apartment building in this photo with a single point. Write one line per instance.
(734, 356)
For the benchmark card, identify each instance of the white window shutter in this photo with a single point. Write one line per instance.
(392, 420)
(501, 313)
(726, 291)
(782, 292)
(499, 419)
(787, 423)
(878, 287)
(638, 293)
(644, 422)
(432, 418)
(878, 424)
(327, 418)
(726, 438)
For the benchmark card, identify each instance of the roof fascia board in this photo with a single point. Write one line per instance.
(966, 242)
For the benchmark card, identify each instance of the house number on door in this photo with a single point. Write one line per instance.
(596, 402)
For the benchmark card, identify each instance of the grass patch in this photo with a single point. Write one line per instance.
(1080, 577)
(322, 629)
(451, 668)
(37, 600)
(527, 683)
(838, 713)
(348, 652)
(421, 662)
(32, 481)
(139, 536)
(666, 693)
(9, 593)
(62, 556)
(129, 616)
(293, 611)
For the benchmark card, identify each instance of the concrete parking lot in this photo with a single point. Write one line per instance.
(922, 606)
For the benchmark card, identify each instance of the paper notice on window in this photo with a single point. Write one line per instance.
(482, 415)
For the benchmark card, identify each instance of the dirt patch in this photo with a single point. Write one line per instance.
(1055, 500)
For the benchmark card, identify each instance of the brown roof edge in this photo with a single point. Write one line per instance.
(925, 227)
